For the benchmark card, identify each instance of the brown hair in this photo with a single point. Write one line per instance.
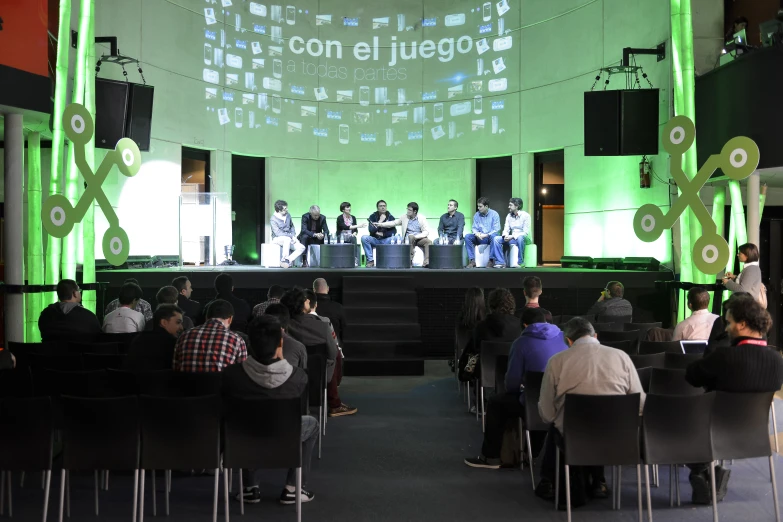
(698, 298)
(473, 308)
(501, 302)
(751, 251)
(532, 287)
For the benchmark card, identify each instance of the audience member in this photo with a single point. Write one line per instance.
(699, 324)
(611, 302)
(212, 346)
(142, 307)
(154, 350)
(224, 286)
(273, 296)
(267, 375)
(586, 368)
(473, 311)
(719, 337)
(293, 351)
(310, 330)
(328, 308)
(747, 366)
(529, 353)
(169, 295)
(126, 319)
(532, 288)
(67, 320)
(499, 325)
(189, 307)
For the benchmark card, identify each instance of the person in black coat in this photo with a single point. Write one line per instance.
(67, 320)
(347, 229)
(314, 230)
(332, 310)
(224, 286)
(154, 350)
(189, 307)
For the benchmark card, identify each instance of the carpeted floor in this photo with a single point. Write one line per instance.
(400, 459)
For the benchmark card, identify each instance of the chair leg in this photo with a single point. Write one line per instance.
(671, 486)
(639, 489)
(43, 479)
(568, 494)
(68, 494)
(141, 495)
(2, 492)
(614, 487)
(135, 492)
(62, 498)
(714, 494)
(468, 394)
(241, 494)
(226, 474)
(482, 410)
(656, 476)
(48, 481)
(167, 474)
(320, 418)
(230, 479)
(215, 495)
(9, 482)
(619, 485)
(774, 487)
(21, 479)
(530, 457)
(299, 494)
(557, 477)
(677, 483)
(326, 412)
(647, 486)
(107, 480)
(96, 491)
(154, 496)
(775, 425)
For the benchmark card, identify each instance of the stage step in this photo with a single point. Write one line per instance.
(385, 349)
(383, 331)
(383, 367)
(366, 315)
(376, 282)
(379, 299)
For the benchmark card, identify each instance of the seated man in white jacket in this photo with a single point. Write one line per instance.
(414, 227)
(515, 231)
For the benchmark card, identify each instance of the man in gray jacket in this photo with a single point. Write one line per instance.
(611, 302)
(284, 234)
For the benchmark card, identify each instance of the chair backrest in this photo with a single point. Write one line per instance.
(180, 432)
(319, 349)
(22, 351)
(63, 363)
(101, 361)
(655, 360)
(671, 382)
(121, 383)
(490, 350)
(565, 318)
(601, 430)
(105, 348)
(677, 429)
(615, 319)
(532, 393)
(680, 361)
(740, 425)
(612, 336)
(650, 347)
(645, 374)
(78, 384)
(27, 434)
(557, 319)
(626, 346)
(100, 433)
(641, 326)
(316, 377)
(16, 382)
(607, 327)
(159, 383)
(193, 384)
(262, 433)
(123, 340)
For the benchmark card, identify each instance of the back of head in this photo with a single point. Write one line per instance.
(167, 295)
(165, 312)
(66, 288)
(532, 316)
(281, 313)
(220, 309)
(749, 311)
(698, 298)
(131, 280)
(265, 337)
(578, 327)
(751, 251)
(320, 286)
(501, 302)
(615, 289)
(294, 300)
(129, 292)
(473, 308)
(180, 283)
(532, 287)
(275, 292)
(224, 284)
(310, 296)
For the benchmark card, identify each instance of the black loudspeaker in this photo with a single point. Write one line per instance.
(576, 262)
(621, 123)
(648, 264)
(138, 123)
(111, 100)
(608, 263)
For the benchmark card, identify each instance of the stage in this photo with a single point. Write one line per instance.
(398, 318)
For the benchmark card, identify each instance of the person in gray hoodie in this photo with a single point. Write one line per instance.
(266, 374)
(67, 320)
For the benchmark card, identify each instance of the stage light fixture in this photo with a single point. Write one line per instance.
(576, 262)
(645, 264)
(608, 263)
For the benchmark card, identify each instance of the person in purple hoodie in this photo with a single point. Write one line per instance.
(529, 353)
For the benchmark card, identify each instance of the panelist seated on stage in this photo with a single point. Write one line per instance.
(486, 225)
(451, 225)
(378, 235)
(414, 227)
(284, 234)
(347, 228)
(515, 231)
(314, 229)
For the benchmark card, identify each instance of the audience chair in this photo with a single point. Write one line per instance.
(625, 346)
(100, 361)
(655, 360)
(16, 383)
(316, 386)
(645, 374)
(610, 336)
(159, 383)
(621, 319)
(461, 341)
(740, 430)
(643, 328)
(664, 381)
(605, 327)
(565, 318)
(23, 351)
(680, 361)
(100, 434)
(557, 319)
(651, 347)
(322, 350)
(533, 420)
(676, 431)
(490, 351)
(123, 340)
(78, 384)
(63, 363)
(600, 430)
(103, 348)
(192, 384)
(251, 441)
(26, 441)
(120, 383)
(179, 433)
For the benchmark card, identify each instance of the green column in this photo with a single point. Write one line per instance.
(738, 220)
(35, 260)
(88, 223)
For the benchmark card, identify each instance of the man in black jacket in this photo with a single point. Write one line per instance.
(189, 307)
(67, 320)
(314, 230)
(747, 366)
(154, 350)
(267, 375)
(328, 308)
(224, 286)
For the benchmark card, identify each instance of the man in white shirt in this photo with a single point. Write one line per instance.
(699, 325)
(125, 319)
(515, 231)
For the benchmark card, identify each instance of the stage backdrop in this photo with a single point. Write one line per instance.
(357, 101)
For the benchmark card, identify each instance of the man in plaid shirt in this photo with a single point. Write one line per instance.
(212, 346)
(273, 296)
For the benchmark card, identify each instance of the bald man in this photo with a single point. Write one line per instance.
(328, 308)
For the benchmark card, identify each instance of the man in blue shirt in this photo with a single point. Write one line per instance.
(378, 235)
(486, 225)
(515, 232)
(451, 223)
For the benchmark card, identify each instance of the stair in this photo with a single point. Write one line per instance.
(380, 298)
(396, 315)
(376, 332)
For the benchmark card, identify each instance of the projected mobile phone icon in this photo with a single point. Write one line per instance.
(238, 117)
(502, 44)
(477, 104)
(343, 135)
(223, 116)
(277, 68)
(257, 9)
(209, 16)
(479, 66)
(487, 11)
(320, 93)
(263, 101)
(495, 125)
(455, 19)
(238, 22)
(501, 26)
(452, 130)
(497, 85)
(482, 46)
(437, 115)
(256, 47)
(211, 76)
(460, 108)
(503, 7)
(234, 61)
(272, 84)
(401, 96)
(251, 119)
(207, 54)
(437, 132)
(290, 15)
(364, 95)
(498, 65)
(277, 13)
(276, 104)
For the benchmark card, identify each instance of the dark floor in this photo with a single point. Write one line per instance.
(400, 459)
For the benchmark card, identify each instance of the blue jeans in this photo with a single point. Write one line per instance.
(370, 241)
(309, 437)
(471, 241)
(498, 246)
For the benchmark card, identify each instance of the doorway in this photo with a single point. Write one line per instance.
(494, 181)
(247, 203)
(548, 201)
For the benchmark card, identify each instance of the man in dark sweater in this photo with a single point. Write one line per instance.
(224, 286)
(190, 307)
(67, 320)
(293, 351)
(328, 308)
(268, 375)
(533, 289)
(747, 366)
(611, 302)
(154, 350)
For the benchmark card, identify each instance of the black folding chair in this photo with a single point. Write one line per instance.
(607, 327)
(179, 433)
(631, 336)
(621, 319)
(26, 440)
(99, 361)
(78, 384)
(651, 347)
(643, 328)
(63, 363)
(655, 360)
(316, 388)
(664, 381)
(22, 351)
(191, 384)
(490, 351)
(533, 422)
(104, 348)
(16, 382)
(120, 383)
(123, 340)
(645, 374)
(159, 383)
(253, 442)
(681, 361)
(625, 346)
(323, 351)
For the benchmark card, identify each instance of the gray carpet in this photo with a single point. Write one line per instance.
(400, 459)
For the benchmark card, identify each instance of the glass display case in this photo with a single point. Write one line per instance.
(204, 227)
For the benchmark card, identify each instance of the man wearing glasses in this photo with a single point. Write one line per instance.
(67, 320)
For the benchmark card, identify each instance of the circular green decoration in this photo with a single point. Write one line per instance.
(739, 157)
(710, 253)
(57, 216)
(648, 223)
(128, 157)
(77, 124)
(678, 135)
(116, 246)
